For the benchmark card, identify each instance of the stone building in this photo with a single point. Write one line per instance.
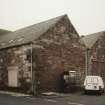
(95, 48)
(34, 58)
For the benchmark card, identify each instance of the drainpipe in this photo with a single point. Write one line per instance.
(86, 61)
(33, 73)
(90, 65)
(32, 82)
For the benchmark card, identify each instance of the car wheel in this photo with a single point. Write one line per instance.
(100, 92)
(103, 91)
(85, 91)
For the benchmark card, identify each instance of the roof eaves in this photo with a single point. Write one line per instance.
(23, 30)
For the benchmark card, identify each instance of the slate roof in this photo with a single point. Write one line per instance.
(2, 31)
(27, 34)
(90, 40)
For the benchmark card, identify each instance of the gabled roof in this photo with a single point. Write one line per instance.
(2, 31)
(91, 39)
(27, 34)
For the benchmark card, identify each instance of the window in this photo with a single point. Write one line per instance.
(20, 39)
(11, 41)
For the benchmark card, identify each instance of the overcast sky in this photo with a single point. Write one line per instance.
(87, 16)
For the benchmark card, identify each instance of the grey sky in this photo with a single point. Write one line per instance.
(88, 16)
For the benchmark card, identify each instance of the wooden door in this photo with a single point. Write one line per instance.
(13, 78)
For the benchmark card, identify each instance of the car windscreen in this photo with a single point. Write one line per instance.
(92, 80)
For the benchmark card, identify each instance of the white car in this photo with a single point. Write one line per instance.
(93, 83)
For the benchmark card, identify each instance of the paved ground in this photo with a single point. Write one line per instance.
(65, 99)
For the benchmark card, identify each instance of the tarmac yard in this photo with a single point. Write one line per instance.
(64, 99)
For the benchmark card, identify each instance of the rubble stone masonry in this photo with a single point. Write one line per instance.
(16, 58)
(54, 52)
(98, 57)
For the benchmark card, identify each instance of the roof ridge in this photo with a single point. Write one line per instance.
(42, 22)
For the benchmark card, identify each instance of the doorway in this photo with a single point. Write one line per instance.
(13, 77)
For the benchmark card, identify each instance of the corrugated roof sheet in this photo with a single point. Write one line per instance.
(90, 40)
(27, 34)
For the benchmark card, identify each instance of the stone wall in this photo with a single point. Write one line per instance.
(98, 57)
(58, 50)
(19, 58)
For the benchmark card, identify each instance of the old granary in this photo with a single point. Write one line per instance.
(36, 56)
(95, 54)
